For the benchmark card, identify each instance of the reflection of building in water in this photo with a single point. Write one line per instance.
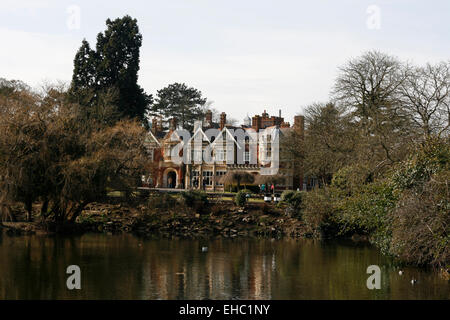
(260, 278)
(246, 274)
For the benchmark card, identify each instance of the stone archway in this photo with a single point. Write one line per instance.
(170, 179)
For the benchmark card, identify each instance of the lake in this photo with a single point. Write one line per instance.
(127, 267)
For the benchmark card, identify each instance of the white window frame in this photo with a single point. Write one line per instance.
(219, 174)
(208, 177)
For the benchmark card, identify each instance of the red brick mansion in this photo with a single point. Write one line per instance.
(201, 158)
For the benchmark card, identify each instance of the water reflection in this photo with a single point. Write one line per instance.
(126, 267)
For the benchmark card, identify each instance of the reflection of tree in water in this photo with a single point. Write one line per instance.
(36, 267)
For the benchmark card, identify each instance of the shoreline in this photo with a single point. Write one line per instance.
(253, 220)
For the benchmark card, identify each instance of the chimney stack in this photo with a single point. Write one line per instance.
(256, 123)
(299, 125)
(223, 120)
(208, 119)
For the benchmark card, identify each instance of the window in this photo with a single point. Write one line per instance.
(269, 147)
(167, 152)
(247, 150)
(221, 155)
(197, 155)
(219, 174)
(151, 153)
(207, 178)
(269, 151)
(247, 156)
(195, 178)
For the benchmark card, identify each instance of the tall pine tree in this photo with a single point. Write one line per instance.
(180, 101)
(113, 66)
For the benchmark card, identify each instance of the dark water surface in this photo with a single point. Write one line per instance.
(127, 267)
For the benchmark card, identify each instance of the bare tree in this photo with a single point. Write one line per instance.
(50, 152)
(426, 96)
(330, 142)
(370, 82)
(370, 88)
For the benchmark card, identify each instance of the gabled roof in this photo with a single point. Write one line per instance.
(219, 137)
(173, 133)
(152, 137)
(200, 131)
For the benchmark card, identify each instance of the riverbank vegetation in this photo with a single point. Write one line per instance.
(380, 153)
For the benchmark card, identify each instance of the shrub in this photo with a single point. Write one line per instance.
(287, 195)
(318, 211)
(241, 198)
(195, 199)
(350, 178)
(294, 201)
(247, 191)
(421, 223)
(161, 201)
(366, 211)
(428, 159)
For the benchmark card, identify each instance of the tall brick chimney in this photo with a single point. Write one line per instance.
(208, 119)
(299, 125)
(256, 123)
(223, 120)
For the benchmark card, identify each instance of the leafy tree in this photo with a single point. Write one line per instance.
(114, 65)
(182, 102)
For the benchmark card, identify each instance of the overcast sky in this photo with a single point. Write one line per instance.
(244, 55)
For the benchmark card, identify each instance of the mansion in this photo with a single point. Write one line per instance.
(202, 159)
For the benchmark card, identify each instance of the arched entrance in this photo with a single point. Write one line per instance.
(170, 179)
